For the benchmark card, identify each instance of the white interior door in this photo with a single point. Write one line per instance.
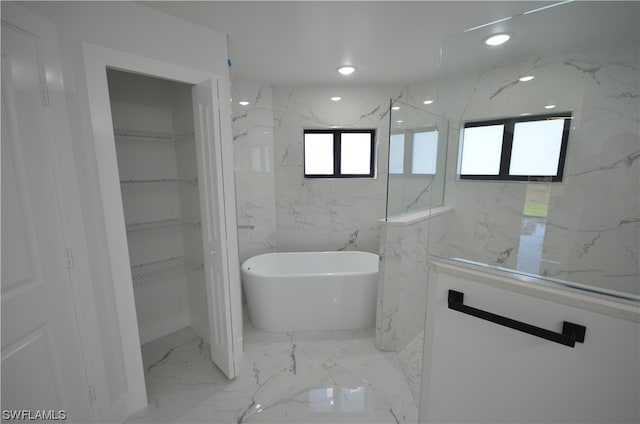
(42, 364)
(222, 304)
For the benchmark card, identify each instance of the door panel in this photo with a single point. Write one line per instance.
(42, 364)
(207, 133)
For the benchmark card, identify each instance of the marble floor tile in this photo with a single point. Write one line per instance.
(411, 361)
(298, 377)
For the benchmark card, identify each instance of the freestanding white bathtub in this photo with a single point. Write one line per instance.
(311, 290)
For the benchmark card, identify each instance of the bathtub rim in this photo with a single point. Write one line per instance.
(244, 269)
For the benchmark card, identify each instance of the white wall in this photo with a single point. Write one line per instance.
(592, 231)
(328, 214)
(480, 372)
(132, 28)
(309, 214)
(254, 168)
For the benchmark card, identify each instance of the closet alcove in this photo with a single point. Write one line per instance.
(157, 165)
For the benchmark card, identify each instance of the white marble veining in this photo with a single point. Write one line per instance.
(309, 214)
(403, 277)
(411, 361)
(592, 231)
(408, 191)
(328, 214)
(298, 377)
(252, 127)
(402, 284)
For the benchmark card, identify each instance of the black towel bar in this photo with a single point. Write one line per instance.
(571, 333)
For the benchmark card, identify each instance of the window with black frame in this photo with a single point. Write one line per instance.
(524, 148)
(339, 153)
(413, 152)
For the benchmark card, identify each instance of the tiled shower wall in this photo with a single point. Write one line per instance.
(328, 214)
(278, 209)
(402, 284)
(591, 234)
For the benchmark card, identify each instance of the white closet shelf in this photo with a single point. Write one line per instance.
(160, 181)
(156, 269)
(151, 135)
(158, 224)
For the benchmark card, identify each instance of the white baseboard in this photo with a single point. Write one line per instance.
(169, 325)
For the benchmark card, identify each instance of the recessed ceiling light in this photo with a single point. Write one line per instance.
(399, 122)
(428, 102)
(395, 107)
(525, 114)
(336, 98)
(243, 103)
(550, 106)
(346, 70)
(496, 40)
(527, 78)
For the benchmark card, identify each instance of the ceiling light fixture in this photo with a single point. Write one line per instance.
(347, 70)
(336, 98)
(243, 103)
(498, 39)
(395, 107)
(550, 106)
(428, 102)
(527, 78)
(399, 122)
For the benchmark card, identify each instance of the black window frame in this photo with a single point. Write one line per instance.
(337, 140)
(507, 145)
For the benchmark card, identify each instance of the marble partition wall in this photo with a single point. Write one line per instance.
(252, 127)
(406, 242)
(592, 230)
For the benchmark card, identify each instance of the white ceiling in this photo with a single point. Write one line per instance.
(302, 42)
(557, 30)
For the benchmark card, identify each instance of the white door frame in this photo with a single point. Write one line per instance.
(96, 60)
(70, 210)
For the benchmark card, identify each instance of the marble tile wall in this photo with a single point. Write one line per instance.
(324, 214)
(328, 214)
(253, 140)
(286, 211)
(592, 231)
(408, 192)
(405, 245)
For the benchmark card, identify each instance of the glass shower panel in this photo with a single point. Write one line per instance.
(396, 154)
(425, 152)
(583, 230)
(417, 156)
